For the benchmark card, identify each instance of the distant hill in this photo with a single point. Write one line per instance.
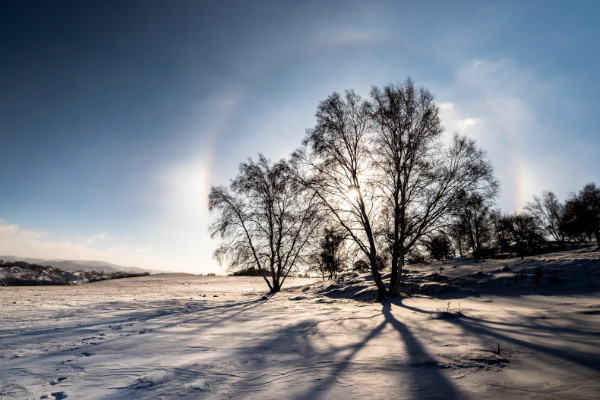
(22, 273)
(79, 265)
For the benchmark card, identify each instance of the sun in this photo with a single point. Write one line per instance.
(353, 192)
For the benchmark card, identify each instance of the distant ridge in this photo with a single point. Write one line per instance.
(79, 265)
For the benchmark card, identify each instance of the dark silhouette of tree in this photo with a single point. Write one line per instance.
(379, 168)
(439, 246)
(549, 214)
(473, 227)
(502, 236)
(361, 266)
(459, 239)
(582, 212)
(329, 260)
(518, 232)
(420, 181)
(331, 252)
(334, 163)
(575, 226)
(265, 221)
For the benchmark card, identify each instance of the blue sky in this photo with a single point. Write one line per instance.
(116, 117)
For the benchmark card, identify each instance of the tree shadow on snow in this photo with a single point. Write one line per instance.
(292, 358)
(432, 384)
(504, 334)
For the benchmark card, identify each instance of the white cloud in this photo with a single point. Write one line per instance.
(15, 240)
(98, 237)
(455, 122)
(21, 242)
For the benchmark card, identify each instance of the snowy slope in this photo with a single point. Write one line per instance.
(497, 335)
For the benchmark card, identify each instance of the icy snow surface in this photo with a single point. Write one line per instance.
(498, 332)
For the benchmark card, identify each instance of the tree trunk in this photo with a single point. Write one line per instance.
(393, 288)
(262, 271)
(276, 287)
(396, 274)
(274, 277)
(394, 280)
(377, 278)
(372, 253)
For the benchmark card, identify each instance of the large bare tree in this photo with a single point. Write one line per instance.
(421, 181)
(265, 221)
(381, 170)
(335, 163)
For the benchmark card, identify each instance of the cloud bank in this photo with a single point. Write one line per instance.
(21, 242)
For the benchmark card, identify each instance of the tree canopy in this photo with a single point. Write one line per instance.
(266, 220)
(380, 168)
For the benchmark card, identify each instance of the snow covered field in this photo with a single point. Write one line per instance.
(505, 334)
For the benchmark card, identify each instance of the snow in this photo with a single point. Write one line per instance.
(186, 336)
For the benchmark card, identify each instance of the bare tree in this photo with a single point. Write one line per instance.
(438, 246)
(473, 225)
(329, 256)
(549, 213)
(421, 181)
(334, 163)
(266, 220)
(380, 170)
(583, 212)
(518, 232)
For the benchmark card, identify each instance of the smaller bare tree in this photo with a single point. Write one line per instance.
(518, 232)
(549, 214)
(473, 226)
(329, 259)
(439, 246)
(266, 220)
(583, 212)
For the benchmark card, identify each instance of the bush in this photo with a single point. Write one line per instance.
(251, 271)
(439, 247)
(416, 257)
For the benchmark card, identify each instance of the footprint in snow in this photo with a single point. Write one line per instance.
(55, 396)
(57, 380)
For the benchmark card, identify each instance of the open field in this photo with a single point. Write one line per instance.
(186, 336)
